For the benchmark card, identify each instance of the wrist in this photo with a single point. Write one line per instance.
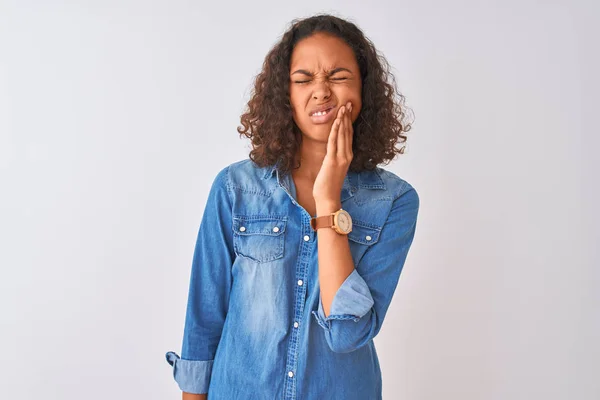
(325, 207)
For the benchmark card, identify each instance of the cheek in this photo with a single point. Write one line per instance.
(295, 109)
(352, 94)
(295, 102)
(356, 107)
(356, 101)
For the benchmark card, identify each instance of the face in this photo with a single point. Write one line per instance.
(323, 73)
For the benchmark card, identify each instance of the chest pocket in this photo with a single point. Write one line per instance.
(361, 238)
(258, 237)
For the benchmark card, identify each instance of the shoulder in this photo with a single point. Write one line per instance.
(240, 169)
(400, 189)
(246, 168)
(245, 176)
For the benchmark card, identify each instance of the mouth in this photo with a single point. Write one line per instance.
(322, 117)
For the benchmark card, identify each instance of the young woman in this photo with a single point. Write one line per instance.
(301, 246)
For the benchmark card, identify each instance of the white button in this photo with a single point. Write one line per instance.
(295, 324)
(276, 229)
(306, 238)
(300, 282)
(368, 238)
(242, 228)
(291, 374)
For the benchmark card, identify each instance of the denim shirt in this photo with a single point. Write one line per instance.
(255, 326)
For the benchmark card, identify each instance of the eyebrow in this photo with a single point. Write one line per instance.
(331, 72)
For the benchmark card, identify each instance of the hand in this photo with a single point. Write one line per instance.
(328, 185)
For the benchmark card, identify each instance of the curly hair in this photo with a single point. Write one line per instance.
(268, 121)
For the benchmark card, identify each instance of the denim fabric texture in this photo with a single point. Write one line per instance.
(255, 326)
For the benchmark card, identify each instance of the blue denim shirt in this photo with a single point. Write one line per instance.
(255, 326)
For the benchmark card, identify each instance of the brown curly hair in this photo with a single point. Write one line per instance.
(268, 121)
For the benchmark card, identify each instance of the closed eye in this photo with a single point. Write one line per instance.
(333, 79)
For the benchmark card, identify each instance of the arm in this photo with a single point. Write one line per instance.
(208, 296)
(353, 304)
(334, 258)
(191, 396)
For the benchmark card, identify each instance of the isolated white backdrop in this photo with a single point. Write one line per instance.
(115, 117)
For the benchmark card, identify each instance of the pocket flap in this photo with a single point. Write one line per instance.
(364, 234)
(259, 225)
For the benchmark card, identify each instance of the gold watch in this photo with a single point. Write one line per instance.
(340, 221)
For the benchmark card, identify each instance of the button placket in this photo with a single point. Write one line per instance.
(306, 249)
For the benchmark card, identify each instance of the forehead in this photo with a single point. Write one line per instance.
(322, 51)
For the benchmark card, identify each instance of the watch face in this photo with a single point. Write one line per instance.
(344, 222)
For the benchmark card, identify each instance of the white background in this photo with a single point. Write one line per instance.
(115, 116)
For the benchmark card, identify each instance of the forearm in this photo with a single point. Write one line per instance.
(335, 258)
(191, 396)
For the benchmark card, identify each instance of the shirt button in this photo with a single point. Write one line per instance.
(368, 238)
(276, 229)
(291, 374)
(295, 324)
(300, 282)
(306, 238)
(242, 228)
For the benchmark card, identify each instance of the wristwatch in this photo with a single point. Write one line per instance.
(340, 221)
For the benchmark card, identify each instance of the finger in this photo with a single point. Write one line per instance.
(350, 133)
(342, 135)
(332, 141)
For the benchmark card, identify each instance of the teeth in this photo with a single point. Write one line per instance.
(320, 113)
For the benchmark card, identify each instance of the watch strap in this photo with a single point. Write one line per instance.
(324, 221)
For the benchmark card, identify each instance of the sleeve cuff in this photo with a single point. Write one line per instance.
(191, 376)
(352, 301)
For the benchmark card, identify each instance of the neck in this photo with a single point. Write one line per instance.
(310, 155)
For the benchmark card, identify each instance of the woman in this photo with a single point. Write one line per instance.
(300, 247)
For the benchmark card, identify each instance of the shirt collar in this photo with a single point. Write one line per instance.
(364, 180)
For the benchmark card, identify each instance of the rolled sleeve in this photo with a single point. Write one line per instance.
(351, 302)
(208, 294)
(191, 376)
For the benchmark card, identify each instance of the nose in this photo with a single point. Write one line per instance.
(321, 90)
